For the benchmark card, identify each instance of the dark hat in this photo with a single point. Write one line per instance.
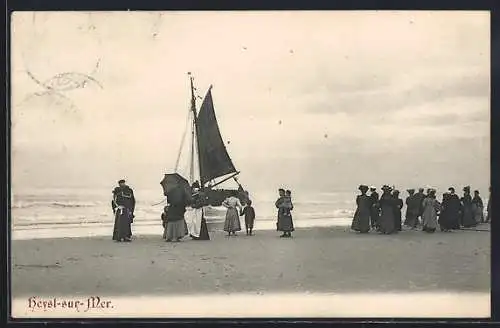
(451, 189)
(396, 191)
(386, 188)
(121, 181)
(410, 190)
(420, 189)
(467, 188)
(281, 189)
(363, 188)
(476, 191)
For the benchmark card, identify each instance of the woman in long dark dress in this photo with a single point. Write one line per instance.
(478, 207)
(177, 199)
(398, 205)
(387, 208)
(468, 220)
(361, 221)
(199, 200)
(285, 220)
(444, 217)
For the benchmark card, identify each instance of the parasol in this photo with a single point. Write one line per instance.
(172, 181)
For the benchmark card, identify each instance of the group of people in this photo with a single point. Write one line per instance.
(285, 206)
(423, 209)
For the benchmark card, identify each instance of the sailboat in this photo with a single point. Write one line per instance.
(209, 162)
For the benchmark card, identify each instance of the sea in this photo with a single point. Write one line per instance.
(79, 212)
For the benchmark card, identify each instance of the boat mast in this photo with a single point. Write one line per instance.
(193, 129)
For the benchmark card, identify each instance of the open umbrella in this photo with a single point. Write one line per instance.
(173, 181)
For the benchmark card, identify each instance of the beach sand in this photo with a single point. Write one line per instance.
(314, 260)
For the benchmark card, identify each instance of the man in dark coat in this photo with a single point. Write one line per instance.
(374, 210)
(123, 205)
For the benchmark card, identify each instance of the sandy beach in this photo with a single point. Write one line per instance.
(315, 260)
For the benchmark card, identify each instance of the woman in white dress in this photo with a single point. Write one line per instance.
(431, 209)
(232, 223)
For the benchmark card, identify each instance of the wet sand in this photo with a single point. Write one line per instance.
(316, 260)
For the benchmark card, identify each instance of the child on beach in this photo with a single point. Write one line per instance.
(249, 213)
(164, 221)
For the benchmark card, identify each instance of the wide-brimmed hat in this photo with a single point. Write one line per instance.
(121, 181)
(363, 188)
(410, 190)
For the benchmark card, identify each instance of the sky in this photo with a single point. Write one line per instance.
(313, 101)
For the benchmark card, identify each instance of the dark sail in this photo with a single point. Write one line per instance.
(214, 161)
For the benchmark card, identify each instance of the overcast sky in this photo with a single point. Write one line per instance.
(363, 97)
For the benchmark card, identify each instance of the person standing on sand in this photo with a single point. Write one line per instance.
(164, 221)
(453, 209)
(419, 198)
(249, 213)
(412, 210)
(374, 208)
(431, 209)
(468, 220)
(478, 207)
(361, 221)
(285, 220)
(197, 223)
(398, 205)
(123, 205)
(387, 208)
(178, 200)
(488, 209)
(232, 223)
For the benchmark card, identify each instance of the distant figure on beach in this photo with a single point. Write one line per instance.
(431, 209)
(478, 207)
(398, 205)
(232, 223)
(285, 207)
(164, 221)
(374, 208)
(412, 209)
(453, 209)
(387, 208)
(177, 199)
(198, 229)
(249, 213)
(488, 208)
(450, 211)
(361, 221)
(468, 220)
(419, 199)
(123, 205)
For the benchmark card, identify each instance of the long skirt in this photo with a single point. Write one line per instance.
(232, 223)
(478, 213)
(429, 220)
(411, 218)
(361, 221)
(175, 230)
(397, 219)
(285, 223)
(122, 229)
(468, 219)
(387, 220)
(374, 217)
(194, 217)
